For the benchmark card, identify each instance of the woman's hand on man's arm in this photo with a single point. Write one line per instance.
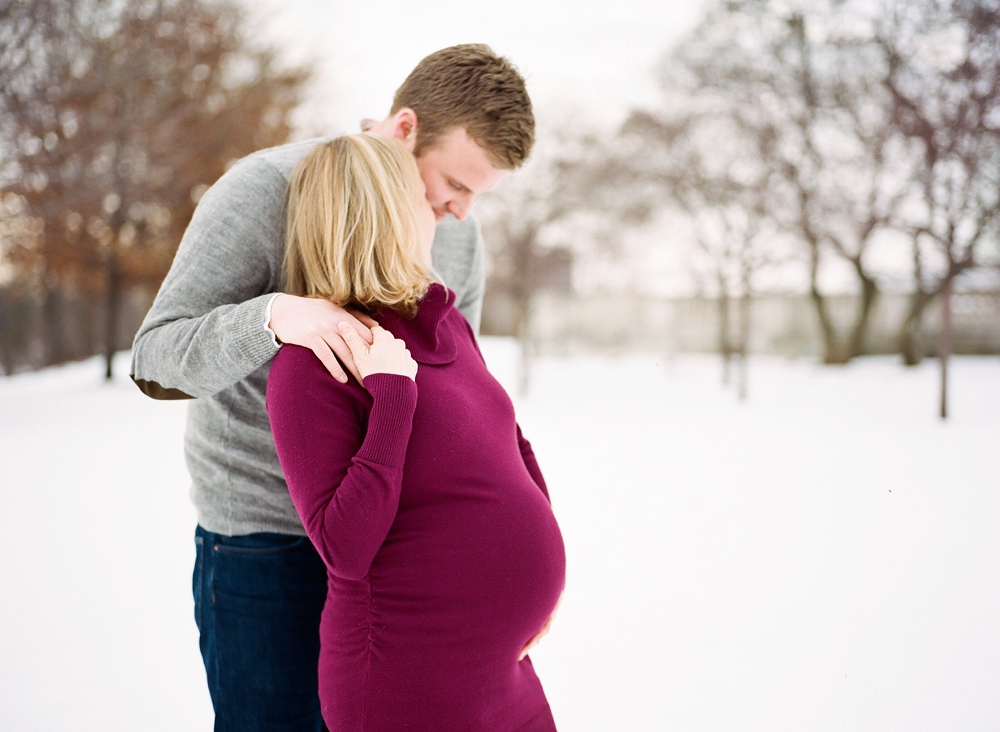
(314, 323)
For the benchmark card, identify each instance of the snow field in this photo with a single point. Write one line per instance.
(822, 557)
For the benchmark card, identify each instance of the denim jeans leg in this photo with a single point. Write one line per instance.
(258, 601)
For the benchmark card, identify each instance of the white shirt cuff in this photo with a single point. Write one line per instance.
(267, 321)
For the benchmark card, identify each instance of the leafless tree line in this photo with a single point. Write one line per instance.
(114, 118)
(791, 134)
(816, 131)
(558, 209)
(807, 134)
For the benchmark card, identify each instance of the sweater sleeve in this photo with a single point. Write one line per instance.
(459, 259)
(206, 328)
(342, 450)
(471, 303)
(528, 456)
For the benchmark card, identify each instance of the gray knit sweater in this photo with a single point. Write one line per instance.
(205, 337)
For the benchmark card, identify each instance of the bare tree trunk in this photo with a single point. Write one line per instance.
(53, 307)
(17, 325)
(112, 310)
(909, 331)
(832, 352)
(945, 341)
(744, 342)
(90, 323)
(859, 331)
(525, 367)
(522, 330)
(725, 341)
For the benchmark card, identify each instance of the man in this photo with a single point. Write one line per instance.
(217, 322)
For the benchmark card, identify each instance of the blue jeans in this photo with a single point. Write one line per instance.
(257, 601)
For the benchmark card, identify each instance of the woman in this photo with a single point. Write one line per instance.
(443, 555)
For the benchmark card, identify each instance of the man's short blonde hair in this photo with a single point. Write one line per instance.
(352, 233)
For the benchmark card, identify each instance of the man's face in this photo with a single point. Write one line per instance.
(455, 171)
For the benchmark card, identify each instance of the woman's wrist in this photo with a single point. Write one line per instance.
(394, 400)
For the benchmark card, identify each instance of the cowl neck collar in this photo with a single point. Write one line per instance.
(428, 335)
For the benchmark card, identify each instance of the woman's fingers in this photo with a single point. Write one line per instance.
(360, 322)
(359, 349)
(387, 354)
(352, 350)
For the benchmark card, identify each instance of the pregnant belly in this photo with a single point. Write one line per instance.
(431, 636)
(478, 571)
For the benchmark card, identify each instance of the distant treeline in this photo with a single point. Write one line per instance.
(46, 327)
(835, 139)
(817, 141)
(114, 119)
(566, 322)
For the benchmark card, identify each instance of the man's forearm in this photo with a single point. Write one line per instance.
(206, 329)
(177, 357)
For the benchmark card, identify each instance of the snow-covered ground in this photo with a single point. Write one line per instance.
(823, 557)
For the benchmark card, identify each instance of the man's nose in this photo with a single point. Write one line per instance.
(460, 209)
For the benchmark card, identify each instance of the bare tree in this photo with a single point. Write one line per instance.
(944, 80)
(800, 82)
(529, 226)
(733, 245)
(708, 165)
(121, 115)
(874, 120)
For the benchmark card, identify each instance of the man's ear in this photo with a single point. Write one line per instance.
(404, 127)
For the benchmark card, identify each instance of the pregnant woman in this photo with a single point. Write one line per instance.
(443, 556)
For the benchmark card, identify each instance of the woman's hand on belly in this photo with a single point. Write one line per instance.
(533, 641)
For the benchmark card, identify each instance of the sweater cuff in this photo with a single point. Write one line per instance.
(394, 400)
(267, 320)
(255, 347)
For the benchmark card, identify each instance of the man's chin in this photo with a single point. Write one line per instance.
(440, 215)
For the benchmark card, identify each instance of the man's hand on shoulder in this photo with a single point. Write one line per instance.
(315, 324)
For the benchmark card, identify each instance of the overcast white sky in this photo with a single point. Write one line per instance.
(590, 58)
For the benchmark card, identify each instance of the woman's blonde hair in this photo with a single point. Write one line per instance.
(352, 234)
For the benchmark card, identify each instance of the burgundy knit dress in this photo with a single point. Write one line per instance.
(432, 516)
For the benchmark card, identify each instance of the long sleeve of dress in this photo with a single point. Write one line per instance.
(342, 450)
